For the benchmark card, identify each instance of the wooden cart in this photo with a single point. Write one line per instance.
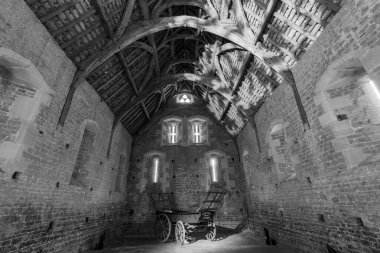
(185, 224)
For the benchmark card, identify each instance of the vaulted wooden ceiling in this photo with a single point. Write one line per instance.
(137, 54)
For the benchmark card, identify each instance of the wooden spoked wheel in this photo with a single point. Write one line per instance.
(162, 227)
(211, 233)
(180, 233)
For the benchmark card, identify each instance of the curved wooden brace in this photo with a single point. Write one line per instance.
(179, 61)
(179, 37)
(143, 46)
(141, 29)
(157, 83)
(197, 3)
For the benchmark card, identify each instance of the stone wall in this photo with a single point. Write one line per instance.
(40, 211)
(331, 204)
(185, 171)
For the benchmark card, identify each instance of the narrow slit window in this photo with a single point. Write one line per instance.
(156, 163)
(214, 165)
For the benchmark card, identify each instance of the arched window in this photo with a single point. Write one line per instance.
(172, 131)
(23, 91)
(279, 151)
(84, 161)
(198, 130)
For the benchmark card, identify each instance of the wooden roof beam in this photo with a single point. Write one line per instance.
(242, 72)
(124, 21)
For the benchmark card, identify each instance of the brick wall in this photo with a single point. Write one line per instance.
(333, 200)
(39, 210)
(185, 172)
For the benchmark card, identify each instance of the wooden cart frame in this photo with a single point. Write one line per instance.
(185, 224)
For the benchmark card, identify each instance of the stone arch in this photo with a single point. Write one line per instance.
(86, 157)
(349, 94)
(24, 92)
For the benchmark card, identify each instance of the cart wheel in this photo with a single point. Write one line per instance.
(180, 233)
(211, 233)
(162, 227)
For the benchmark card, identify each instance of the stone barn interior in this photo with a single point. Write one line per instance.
(190, 126)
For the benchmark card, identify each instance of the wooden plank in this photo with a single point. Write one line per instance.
(145, 111)
(119, 73)
(242, 73)
(283, 49)
(285, 37)
(73, 23)
(103, 16)
(329, 4)
(301, 10)
(88, 45)
(58, 10)
(126, 69)
(295, 27)
(125, 19)
(267, 16)
(115, 93)
(80, 35)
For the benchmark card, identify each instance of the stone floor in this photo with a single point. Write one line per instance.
(234, 243)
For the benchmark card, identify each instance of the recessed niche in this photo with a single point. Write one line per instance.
(110, 192)
(195, 160)
(16, 175)
(276, 186)
(173, 176)
(197, 175)
(87, 219)
(226, 144)
(101, 163)
(91, 189)
(308, 180)
(172, 161)
(357, 221)
(40, 132)
(341, 117)
(67, 146)
(233, 159)
(133, 177)
(131, 212)
(321, 218)
(138, 160)
(281, 213)
(50, 227)
(57, 185)
(330, 249)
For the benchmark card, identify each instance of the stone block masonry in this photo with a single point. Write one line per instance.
(185, 171)
(40, 211)
(332, 203)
